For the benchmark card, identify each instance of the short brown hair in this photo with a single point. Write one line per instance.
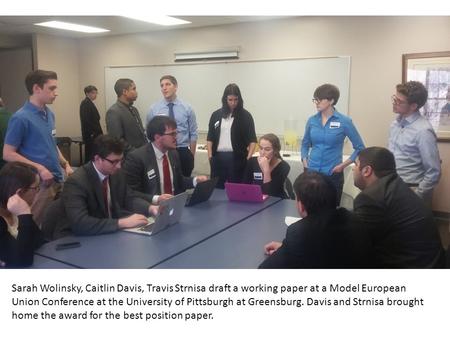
(171, 78)
(414, 91)
(39, 77)
(89, 89)
(14, 176)
(327, 92)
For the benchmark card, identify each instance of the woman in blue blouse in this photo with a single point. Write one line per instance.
(324, 137)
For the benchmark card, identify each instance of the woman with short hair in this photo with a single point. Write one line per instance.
(323, 141)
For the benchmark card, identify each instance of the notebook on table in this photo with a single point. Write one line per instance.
(244, 192)
(202, 192)
(170, 212)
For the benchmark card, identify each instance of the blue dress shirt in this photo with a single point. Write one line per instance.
(184, 116)
(413, 142)
(322, 146)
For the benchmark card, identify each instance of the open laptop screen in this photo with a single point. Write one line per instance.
(244, 192)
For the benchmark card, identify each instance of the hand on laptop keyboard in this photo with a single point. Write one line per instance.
(132, 221)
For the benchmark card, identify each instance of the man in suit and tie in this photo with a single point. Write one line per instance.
(96, 197)
(90, 121)
(122, 119)
(154, 169)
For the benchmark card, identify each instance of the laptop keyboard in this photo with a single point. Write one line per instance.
(148, 227)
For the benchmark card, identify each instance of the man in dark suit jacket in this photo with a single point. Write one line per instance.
(144, 167)
(401, 228)
(96, 197)
(122, 118)
(325, 237)
(90, 121)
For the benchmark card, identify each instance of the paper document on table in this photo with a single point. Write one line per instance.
(290, 220)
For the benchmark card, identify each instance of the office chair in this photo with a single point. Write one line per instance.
(288, 189)
(64, 144)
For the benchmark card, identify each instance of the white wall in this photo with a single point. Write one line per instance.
(61, 55)
(376, 45)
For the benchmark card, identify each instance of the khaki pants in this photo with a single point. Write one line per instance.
(43, 199)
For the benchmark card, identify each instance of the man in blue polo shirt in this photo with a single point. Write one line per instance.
(183, 114)
(30, 138)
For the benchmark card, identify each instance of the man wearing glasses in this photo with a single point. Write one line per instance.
(96, 197)
(154, 169)
(413, 141)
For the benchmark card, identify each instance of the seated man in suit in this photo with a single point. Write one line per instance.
(96, 197)
(154, 169)
(325, 237)
(400, 227)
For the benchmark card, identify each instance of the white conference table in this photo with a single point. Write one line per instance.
(202, 167)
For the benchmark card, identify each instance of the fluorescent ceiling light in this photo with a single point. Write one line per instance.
(231, 53)
(72, 27)
(159, 19)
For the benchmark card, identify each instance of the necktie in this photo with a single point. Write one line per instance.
(171, 115)
(136, 116)
(105, 194)
(166, 172)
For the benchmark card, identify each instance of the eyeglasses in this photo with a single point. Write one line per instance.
(316, 101)
(397, 101)
(36, 188)
(173, 134)
(115, 162)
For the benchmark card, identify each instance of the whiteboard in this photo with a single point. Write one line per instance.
(277, 93)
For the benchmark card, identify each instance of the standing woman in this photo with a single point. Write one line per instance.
(231, 137)
(19, 234)
(268, 169)
(323, 141)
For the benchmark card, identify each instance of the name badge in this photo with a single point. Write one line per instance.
(257, 176)
(54, 132)
(334, 125)
(216, 124)
(151, 174)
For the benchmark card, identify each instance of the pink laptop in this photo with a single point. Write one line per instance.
(244, 192)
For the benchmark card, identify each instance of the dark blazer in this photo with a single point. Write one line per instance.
(19, 252)
(242, 132)
(124, 122)
(327, 240)
(84, 206)
(142, 174)
(401, 228)
(90, 121)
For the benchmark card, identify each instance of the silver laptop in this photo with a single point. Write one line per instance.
(169, 213)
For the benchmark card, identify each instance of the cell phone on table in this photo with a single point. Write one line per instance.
(68, 245)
